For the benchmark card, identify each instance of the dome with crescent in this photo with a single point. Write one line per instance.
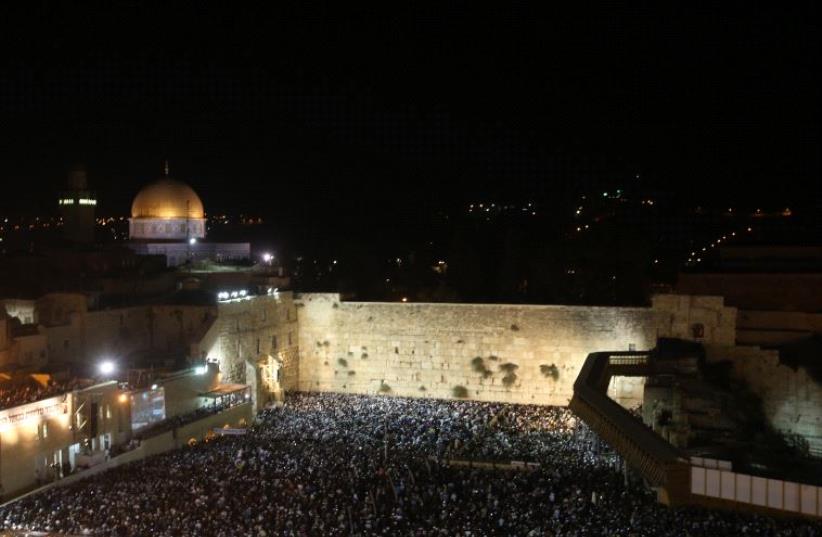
(167, 209)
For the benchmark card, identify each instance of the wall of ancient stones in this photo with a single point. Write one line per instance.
(510, 353)
(791, 399)
(249, 332)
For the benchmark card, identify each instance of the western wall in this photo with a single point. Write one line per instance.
(527, 353)
(507, 353)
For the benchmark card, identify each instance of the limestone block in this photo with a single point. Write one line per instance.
(708, 302)
(709, 318)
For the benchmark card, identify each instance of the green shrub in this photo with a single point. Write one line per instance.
(508, 367)
(550, 371)
(479, 366)
(509, 380)
(343, 362)
(384, 388)
(352, 373)
(460, 392)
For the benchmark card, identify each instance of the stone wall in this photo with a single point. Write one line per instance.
(791, 399)
(705, 319)
(510, 353)
(122, 333)
(248, 331)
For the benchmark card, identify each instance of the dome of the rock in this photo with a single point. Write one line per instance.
(167, 198)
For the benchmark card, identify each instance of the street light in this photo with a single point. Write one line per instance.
(106, 367)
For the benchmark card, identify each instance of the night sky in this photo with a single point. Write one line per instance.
(304, 116)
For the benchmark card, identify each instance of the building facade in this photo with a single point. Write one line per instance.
(168, 219)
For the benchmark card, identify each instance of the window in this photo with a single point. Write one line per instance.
(631, 346)
(44, 430)
(698, 330)
(258, 345)
(290, 342)
(273, 343)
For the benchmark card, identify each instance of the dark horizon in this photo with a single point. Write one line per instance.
(715, 106)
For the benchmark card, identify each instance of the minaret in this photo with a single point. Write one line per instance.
(77, 207)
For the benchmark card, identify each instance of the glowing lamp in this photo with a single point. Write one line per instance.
(106, 367)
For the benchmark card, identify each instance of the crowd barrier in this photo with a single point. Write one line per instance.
(758, 491)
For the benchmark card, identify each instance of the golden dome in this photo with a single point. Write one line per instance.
(167, 198)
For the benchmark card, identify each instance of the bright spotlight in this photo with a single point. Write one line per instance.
(192, 240)
(267, 257)
(200, 370)
(106, 367)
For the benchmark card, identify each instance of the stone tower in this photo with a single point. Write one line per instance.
(77, 207)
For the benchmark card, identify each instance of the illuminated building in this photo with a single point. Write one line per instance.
(168, 218)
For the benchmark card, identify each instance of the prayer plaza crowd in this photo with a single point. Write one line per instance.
(328, 464)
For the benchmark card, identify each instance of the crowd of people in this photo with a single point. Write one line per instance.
(30, 391)
(328, 464)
